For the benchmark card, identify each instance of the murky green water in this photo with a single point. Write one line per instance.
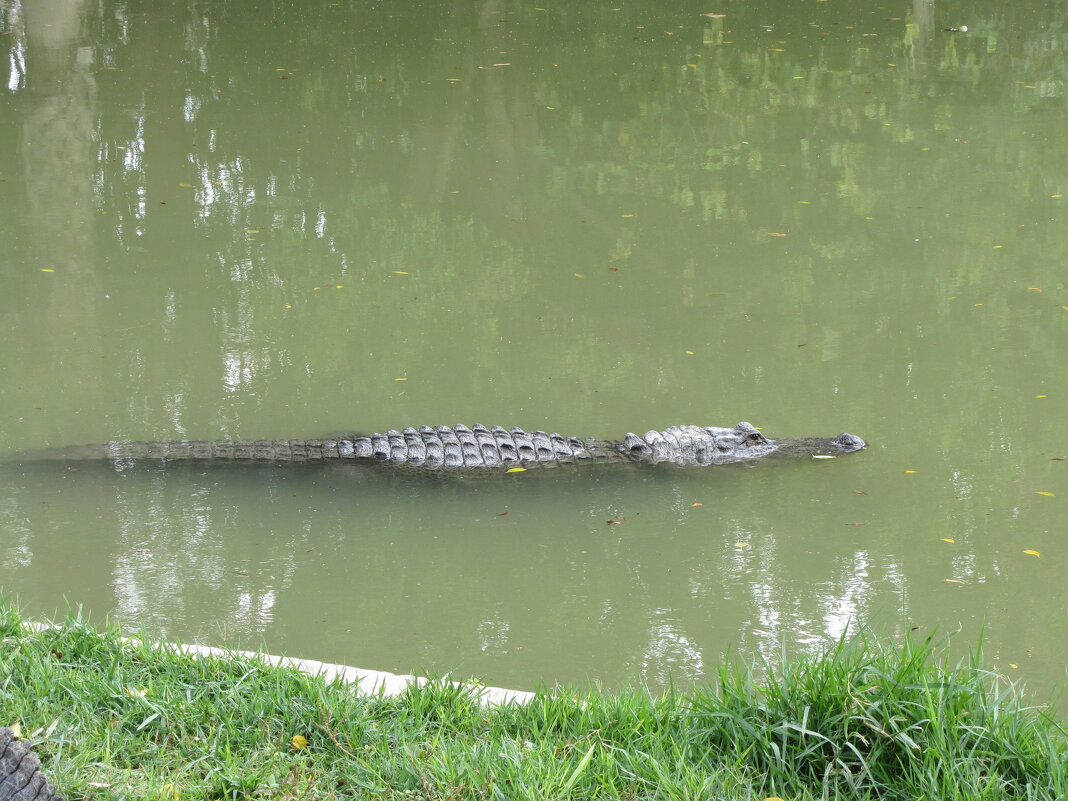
(230, 220)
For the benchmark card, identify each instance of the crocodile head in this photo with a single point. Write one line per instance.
(709, 445)
(820, 446)
(700, 445)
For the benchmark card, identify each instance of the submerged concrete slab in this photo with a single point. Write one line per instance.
(365, 682)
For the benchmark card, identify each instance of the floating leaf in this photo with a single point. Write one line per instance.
(822, 456)
(948, 539)
(1043, 492)
(713, 15)
(185, 186)
(400, 379)
(1040, 396)
(776, 233)
(626, 216)
(1013, 665)
(910, 472)
(516, 470)
(47, 270)
(741, 546)
(580, 275)
(298, 742)
(1033, 289)
(952, 581)
(399, 272)
(615, 521)
(694, 505)
(689, 353)
(1032, 553)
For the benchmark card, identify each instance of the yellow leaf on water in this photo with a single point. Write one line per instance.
(1033, 289)
(399, 272)
(689, 353)
(626, 215)
(695, 504)
(298, 742)
(952, 581)
(516, 470)
(400, 379)
(822, 456)
(1032, 553)
(1056, 196)
(47, 270)
(1040, 396)
(1013, 665)
(741, 546)
(1043, 492)
(948, 539)
(187, 186)
(910, 472)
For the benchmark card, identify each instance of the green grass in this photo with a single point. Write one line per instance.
(861, 721)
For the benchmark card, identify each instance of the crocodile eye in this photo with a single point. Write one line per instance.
(756, 436)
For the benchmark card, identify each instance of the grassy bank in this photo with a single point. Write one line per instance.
(863, 720)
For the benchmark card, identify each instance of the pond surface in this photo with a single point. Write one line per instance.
(224, 220)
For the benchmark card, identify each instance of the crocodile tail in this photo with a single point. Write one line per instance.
(283, 450)
(20, 772)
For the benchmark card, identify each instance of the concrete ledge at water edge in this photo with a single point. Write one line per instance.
(366, 682)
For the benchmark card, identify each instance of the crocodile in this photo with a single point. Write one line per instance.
(20, 772)
(479, 448)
